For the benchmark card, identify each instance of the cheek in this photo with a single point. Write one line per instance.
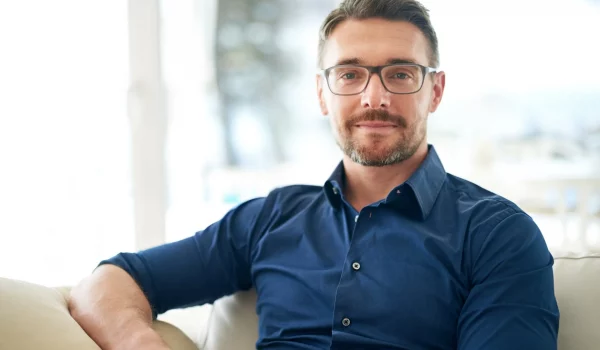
(414, 108)
(424, 102)
(343, 106)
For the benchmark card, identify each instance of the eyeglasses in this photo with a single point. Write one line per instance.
(400, 78)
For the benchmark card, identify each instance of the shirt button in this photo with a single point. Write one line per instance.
(335, 190)
(346, 322)
(356, 266)
(356, 218)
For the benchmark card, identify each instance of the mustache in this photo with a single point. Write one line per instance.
(373, 115)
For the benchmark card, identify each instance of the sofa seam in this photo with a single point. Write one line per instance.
(597, 256)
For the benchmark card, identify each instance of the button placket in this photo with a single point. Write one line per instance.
(344, 302)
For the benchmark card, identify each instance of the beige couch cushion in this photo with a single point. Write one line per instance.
(34, 317)
(577, 287)
(233, 323)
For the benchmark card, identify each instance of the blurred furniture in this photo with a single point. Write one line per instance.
(35, 317)
(567, 210)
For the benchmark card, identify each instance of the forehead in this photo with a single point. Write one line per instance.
(375, 41)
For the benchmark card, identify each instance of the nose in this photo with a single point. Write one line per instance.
(375, 95)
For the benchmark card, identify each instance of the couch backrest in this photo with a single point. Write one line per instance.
(233, 323)
(577, 288)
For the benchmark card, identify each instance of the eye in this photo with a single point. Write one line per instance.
(401, 73)
(349, 76)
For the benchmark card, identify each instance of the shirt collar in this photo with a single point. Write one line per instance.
(333, 186)
(427, 181)
(425, 184)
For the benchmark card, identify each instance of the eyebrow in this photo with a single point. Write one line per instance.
(356, 60)
(401, 60)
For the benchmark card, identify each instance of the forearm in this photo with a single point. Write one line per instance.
(116, 304)
(113, 311)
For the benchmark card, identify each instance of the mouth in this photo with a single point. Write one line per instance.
(375, 125)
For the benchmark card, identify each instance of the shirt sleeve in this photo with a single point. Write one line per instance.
(200, 269)
(511, 304)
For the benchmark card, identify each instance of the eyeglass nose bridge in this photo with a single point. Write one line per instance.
(375, 70)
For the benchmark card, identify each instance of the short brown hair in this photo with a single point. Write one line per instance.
(411, 11)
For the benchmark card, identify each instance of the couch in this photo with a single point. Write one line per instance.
(36, 317)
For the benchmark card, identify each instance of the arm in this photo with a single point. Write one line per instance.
(117, 303)
(113, 311)
(511, 304)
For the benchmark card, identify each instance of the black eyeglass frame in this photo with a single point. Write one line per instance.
(377, 69)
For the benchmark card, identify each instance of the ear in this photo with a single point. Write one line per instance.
(439, 83)
(320, 92)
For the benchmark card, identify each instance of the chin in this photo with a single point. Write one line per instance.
(378, 146)
(372, 157)
(379, 153)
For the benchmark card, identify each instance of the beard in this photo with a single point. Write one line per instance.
(375, 152)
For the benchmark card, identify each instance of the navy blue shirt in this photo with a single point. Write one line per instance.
(440, 263)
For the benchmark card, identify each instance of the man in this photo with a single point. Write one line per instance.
(391, 253)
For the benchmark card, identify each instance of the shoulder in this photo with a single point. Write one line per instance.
(496, 227)
(261, 215)
(485, 208)
(281, 203)
(490, 217)
(290, 199)
(279, 198)
(287, 197)
(296, 191)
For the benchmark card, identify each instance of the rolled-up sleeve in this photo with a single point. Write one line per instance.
(200, 269)
(511, 304)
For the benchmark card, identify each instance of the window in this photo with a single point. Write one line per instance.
(65, 198)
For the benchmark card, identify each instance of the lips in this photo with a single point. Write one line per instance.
(374, 120)
(376, 124)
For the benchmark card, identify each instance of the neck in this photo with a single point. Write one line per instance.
(367, 184)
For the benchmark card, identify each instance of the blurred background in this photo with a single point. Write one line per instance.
(126, 124)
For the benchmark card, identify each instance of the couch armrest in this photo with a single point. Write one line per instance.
(35, 317)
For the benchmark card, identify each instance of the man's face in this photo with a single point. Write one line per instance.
(376, 127)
